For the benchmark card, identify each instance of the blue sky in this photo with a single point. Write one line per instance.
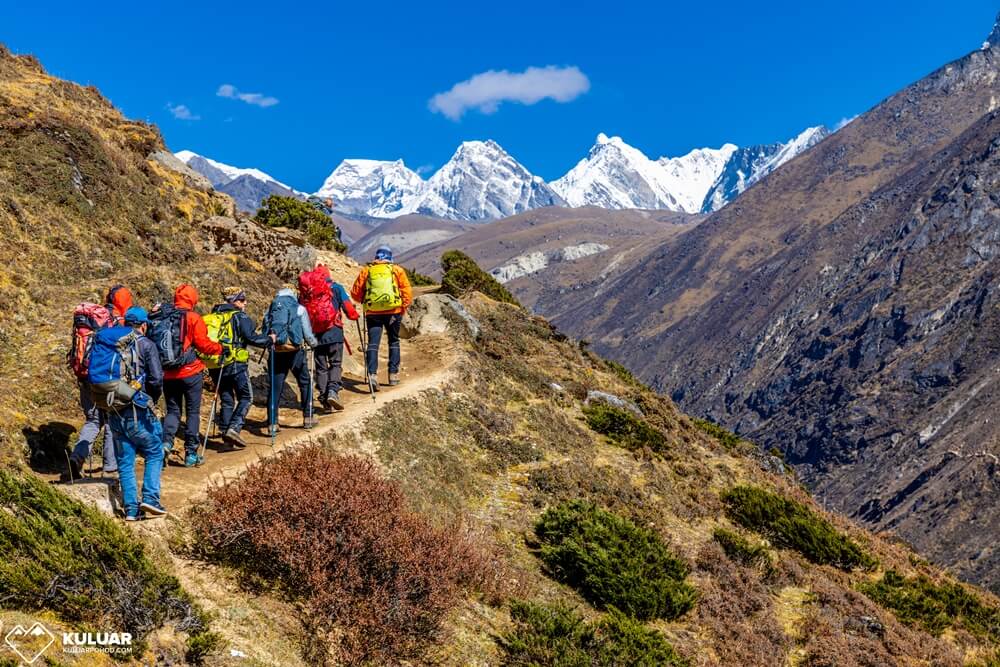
(353, 79)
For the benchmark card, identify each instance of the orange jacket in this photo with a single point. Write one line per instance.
(186, 298)
(402, 282)
(120, 302)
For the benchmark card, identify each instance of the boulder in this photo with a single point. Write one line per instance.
(429, 314)
(285, 255)
(595, 396)
(99, 493)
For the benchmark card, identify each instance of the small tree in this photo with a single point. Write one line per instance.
(278, 211)
(462, 275)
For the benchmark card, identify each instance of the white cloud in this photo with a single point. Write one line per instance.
(424, 169)
(181, 112)
(257, 99)
(486, 91)
(843, 122)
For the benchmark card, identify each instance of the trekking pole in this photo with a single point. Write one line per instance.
(211, 418)
(310, 364)
(271, 411)
(364, 348)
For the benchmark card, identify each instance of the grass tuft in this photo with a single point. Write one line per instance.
(557, 635)
(741, 550)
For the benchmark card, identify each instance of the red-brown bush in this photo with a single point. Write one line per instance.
(376, 578)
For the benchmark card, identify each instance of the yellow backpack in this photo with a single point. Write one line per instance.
(220, 329)
(381, 290)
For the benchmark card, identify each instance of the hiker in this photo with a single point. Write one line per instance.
(88, 319)
(385, 291)
(125, 379)
(178, 332)
(329, 354)
(288, 320)
(117, 301)
(233, 376)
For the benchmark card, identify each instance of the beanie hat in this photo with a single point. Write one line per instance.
(234, 294)
(384, 252)
(136, 315)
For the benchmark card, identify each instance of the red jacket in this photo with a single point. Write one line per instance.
(186, 298)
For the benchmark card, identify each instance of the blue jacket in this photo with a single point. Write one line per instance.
(150, 368)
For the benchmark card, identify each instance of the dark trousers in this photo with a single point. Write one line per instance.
(329, 368)
(375, 324)
(285, 363)
(235, 397)
(187, 391)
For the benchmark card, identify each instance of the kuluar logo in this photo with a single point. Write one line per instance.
(30, 644)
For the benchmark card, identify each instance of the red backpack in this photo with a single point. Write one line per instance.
(315, 295)
(87, 318)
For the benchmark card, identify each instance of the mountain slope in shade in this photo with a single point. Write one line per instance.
(482, 181)
(375, 188)
(749, 164)
(248, 187)
(843, 310)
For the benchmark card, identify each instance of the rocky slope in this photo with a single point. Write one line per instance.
(841, 311)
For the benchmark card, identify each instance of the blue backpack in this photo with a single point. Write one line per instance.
(283, 319)
(113, 368)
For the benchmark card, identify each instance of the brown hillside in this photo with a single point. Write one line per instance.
(822, 315)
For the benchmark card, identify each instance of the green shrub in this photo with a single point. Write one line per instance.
(741, 550)
(278, 211)
(418, 279)
(556, 635)
(61, 556)
(726, 438)
(918, 601)
(461, 274)
(789, 524)
(623, 428)
(612, 562)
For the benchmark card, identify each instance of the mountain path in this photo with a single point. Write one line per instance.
(427, 362)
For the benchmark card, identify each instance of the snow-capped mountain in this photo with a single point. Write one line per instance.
(617, 175)
(750, 164)
(247, 187)
(376, 188)
(482, 181)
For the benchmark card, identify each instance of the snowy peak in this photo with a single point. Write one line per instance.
(617, 175)
(482, 181)
(376, 188)
(750, 164)
(247, 187)
(219, 173)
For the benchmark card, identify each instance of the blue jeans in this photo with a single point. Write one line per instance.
(375, 324)
(94, 419)
(139, 432)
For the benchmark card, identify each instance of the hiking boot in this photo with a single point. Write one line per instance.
(325, 402)
(133, 517)
(75, 471)
(193, 460)
(333, 400)
(233, 438)
(156, 509)
(309, 423)
(393, 379)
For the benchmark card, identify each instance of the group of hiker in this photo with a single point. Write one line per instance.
(126, 357)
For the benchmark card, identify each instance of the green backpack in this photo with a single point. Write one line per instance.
(381, 290)
(220, 329)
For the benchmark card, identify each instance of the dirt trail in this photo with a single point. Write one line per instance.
(427, 361)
